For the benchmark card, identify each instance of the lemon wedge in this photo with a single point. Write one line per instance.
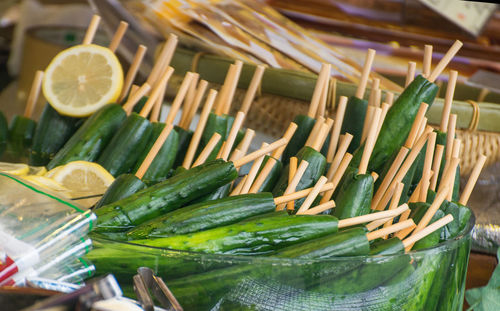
(17, 169)
(37, 170)
(81, 79)
(82, 177)
(46, 183)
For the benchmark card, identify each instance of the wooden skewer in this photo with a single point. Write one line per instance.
(395, 201)
(438, 200)
(404, 233)
(323, 99)
(383, 114)
(253, 172)
(373, 93)
(219, 154)
(451, 136)
(118, 36)
(464, 198)
(409, 242)
(360, 92)
(237, 189)
(200, 92)
(189, 101)
(313, 194)
(372, 217)
(320, 139)
(238, 121)
(319, 208)
(448, 173)
(337, 127)
(374, 176)
(292, 184)
(133, 89)
(205, 153)
(391, 229)
(154, 150)
(164, 58)
(299, 194)
(426, 64)
(423, 127)
(91, 30)
(132, 71)
(410, 74)
(445, 60)
(455, 154)
(377, 223)
(393, 169)
(436, 165)
(179, 98)
(155, 112)
(314, 132)
(412, 136)
(246, 141)
(34, 94)
(429, 153)
(254, 155)
(367, 122)
(324, 73)
(236, 154)
(448, 100)
(156, 93)
(234, 83)
(292, 170)
(252, 88)
(219, 106)
(378, 97)
(288, 135)
(389, 98)
(135, 97)
(416, 195)
(195, 141)
(337, 176)
(345, 141)
(370, 142)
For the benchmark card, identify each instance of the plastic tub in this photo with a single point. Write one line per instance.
(430, 279)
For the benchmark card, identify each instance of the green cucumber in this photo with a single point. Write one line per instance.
(205, 215)
(355, 197)
(52, 132)
(273, 176)
(305, 125)
(387, 247)
(215, 124)
(21, 132)
(140, 104)
(219, 193)
(164, 197)
(398, 122)
(259, 236)
(92, 137)
(184, 140)
(122, 187)
(160, 168)
(121, 154)
(354, 119)
(4, 133)
(417, 212)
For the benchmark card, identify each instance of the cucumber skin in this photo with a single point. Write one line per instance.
(219, 193)
(160, 168)
(21, 132)
(92, 137)
(354, 119)
(398, 121)
(4, 132)
(215, 124)
(184, 140)
(206, 215)
(164, 197)
(120, 155)
(52, 132)
(299, 138)
(259, 236)
(355, 197)
(122, 187)
(387, 247)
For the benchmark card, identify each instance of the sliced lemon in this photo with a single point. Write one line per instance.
(18, 169)
(37, 170)
(53, 171)
(46, 183)
(81, 79)
(84, 177)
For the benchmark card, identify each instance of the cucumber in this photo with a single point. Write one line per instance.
(160, 168)
(92, 137)
(273, 176)
(121, 154)
(21, 132)
(299, 138)
(417, 212)
(52, 132)
(205, 215)
(354, 119)
(4, 133)
(398, 122)
(387, 247)
(164, 197)
(122, 187)
(260, 236)
(215, 124)
(184, 140)
(355, 197)
(219, 193)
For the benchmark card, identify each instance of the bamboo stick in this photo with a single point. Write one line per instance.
(445, 60)
(324, 73)
(395, 201)
(377, 223)
(373, 92)
(189, 100)
(164, 58)
(391, 229)
(156, 93)
(252, 88)
(372, 216)
(367, 122)
(404, 233)
(288, 136)
(383, 114)
(118, 36)
(426, 64)
(438, 155)
(413, 135)
(319, 208)
(132, 72)
(253, 172)
(410, 73)
(219, 106)
(195, 140)
(261, 177)
(320, 139)
(292, 184)
(389, 98)
(205, 153)
(370, 142)
(448, 100)
(409, 242)
(254, 155)
(292, 170)
(179, 98)
(450, 136)
(426, 176)
(234, 83)
(314, 131)
(323, 99)
(238, 121)
(237, 189)
(440, 197)
(135, 97)
(200, 92)
(246, 141)
(360, 91)
(471, 182)
(91, 30)
(345, 141)
(154, 150)
(337, 127)
(299, 194)
(455, 154)
(33, 95)
(313, 194)
(337, 176)
(448, 172)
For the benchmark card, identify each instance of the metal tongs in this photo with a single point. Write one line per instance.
(145, 280)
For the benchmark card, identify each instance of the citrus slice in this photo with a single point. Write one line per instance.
(37, 170)
(18, 169)
(52, 172)
(84, 177)
(81, 79)
(46, 183)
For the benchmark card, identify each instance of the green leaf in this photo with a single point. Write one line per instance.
(486, 298)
